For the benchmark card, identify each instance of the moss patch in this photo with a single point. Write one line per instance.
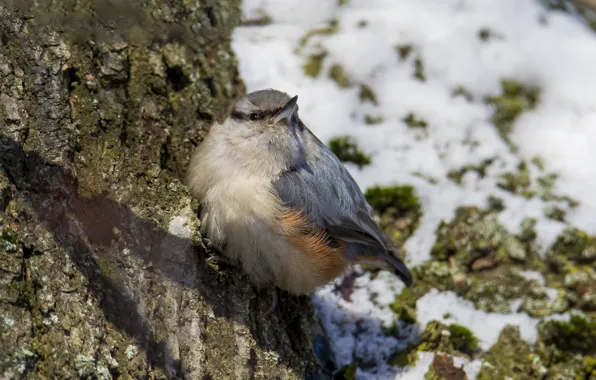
(404, 51)
(372, 120)
(477, 241)
(512, 358)
(572, 261)
(414, 122)
(368, 95)
(332, 27)
(419, 69)
(384, 198)
(517, 182)
(463, 339)
(399, 209)
(578, 335)
(339, 76)
(480, 169)
(453, 339)
(514, 99)
(405, 357)
(462, 91)
(314, 64)
(347, 150)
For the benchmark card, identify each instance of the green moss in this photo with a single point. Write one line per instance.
(347, 150)
(516, 183)
(462, 338)
(368, 95)
(405, 357)
(452, 339)
(339, 76)
(262, 20)
(582, 9)
(419, 69)
(403, 312)
(431, 180)
(495, 203)
(314, 64)
(483, 261)
(538, 162)
(578, 335)
(511, 357)
(573, 247)
(399, 209)
(413, 122)
(572, 262)
(555, 213)
(462, 91)
(514, 99)
(371, 120)
(484, 34)
(435, 337)
(476, 240)
(545, 189)
(403, 51)
(332, 27)
(588, 370)
(457, 175)
(402, 197)
(362, 24)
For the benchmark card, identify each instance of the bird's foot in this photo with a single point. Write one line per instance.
(274, 302)
(218, 259)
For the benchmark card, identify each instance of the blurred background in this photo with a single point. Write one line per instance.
(471, 127)
(469, 124)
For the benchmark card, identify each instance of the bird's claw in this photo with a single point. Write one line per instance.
(274, 302)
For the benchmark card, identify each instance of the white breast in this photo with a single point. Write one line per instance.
(241, 214)
(239, 208)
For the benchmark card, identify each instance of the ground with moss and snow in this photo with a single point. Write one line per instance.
(470, 125)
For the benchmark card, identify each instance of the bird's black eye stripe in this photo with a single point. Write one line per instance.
(254, 116)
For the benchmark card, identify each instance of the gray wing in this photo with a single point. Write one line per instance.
(331, 199)
(324, 190)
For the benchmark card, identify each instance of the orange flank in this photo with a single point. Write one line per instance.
(318, 249)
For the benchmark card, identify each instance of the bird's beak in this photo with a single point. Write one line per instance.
(287, 111)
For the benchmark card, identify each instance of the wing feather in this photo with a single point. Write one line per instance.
(331, 199)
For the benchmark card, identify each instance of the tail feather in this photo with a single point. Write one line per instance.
(389, 261)
(400, 269)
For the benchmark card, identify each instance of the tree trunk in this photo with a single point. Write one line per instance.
(102, 273)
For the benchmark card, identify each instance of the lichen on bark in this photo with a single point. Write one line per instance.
(102, 267)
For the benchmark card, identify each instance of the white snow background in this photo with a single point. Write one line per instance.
(551, 50)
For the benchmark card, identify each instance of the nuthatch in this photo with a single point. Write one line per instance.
(277, 200)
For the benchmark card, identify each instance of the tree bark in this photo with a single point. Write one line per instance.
(102, 273)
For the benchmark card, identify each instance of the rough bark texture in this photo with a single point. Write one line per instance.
(101, 271)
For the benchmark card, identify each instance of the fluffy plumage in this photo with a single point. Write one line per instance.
(277, 200)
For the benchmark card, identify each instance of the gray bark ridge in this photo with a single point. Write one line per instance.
(102, 273)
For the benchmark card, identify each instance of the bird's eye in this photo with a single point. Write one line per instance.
(253, 116)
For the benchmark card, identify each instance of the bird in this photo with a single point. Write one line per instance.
(277, 200)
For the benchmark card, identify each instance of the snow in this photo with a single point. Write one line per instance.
(178, 226)
(527, 43)
(435, 305)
